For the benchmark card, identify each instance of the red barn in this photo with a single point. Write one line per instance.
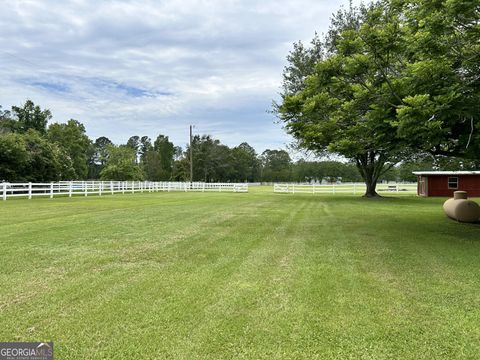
(444, 183)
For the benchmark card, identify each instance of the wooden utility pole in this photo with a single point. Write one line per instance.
(191, 156)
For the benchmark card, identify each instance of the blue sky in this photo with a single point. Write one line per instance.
(127, 68)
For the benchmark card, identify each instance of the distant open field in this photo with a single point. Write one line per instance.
(254, 276)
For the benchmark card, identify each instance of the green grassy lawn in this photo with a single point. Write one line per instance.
(254, 276)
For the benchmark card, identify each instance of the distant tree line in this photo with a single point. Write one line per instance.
(32, 150)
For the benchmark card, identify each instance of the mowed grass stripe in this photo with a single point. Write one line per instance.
(253, 276)
(94, 239)
(253, 296)
(201, 223)
(387, 279)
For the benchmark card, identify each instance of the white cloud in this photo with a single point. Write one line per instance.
(149, 67)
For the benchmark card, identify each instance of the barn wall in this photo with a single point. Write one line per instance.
(438, 185)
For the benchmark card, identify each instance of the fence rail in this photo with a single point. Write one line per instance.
(353, 188)
(86, 188)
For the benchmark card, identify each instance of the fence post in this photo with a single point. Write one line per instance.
(354, 189)
(51, 190)
(133, 187)
(100, 186)
(85, 188)
(69, 189)
(29, 191)
(4, 195)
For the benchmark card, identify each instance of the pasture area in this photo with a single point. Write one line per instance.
(240, 276)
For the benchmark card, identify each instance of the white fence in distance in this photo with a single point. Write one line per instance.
(86, 188)
(352, 188)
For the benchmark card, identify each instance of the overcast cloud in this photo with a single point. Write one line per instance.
(127, 68)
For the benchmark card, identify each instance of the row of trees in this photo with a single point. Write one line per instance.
(391, 80)
(32, 151)
(29, 151)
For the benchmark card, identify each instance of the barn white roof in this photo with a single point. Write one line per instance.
(446, 172)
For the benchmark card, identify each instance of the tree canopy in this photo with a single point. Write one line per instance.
(440, 112)
(31, 116)
(122, 164)
(72, 139)
(388, 80)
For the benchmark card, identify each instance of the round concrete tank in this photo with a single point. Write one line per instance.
(461, 209)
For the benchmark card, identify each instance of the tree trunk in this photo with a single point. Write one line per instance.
(371, 188)
(370, 165)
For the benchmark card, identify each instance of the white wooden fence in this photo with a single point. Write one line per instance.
(86, 188)
(352, 188)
